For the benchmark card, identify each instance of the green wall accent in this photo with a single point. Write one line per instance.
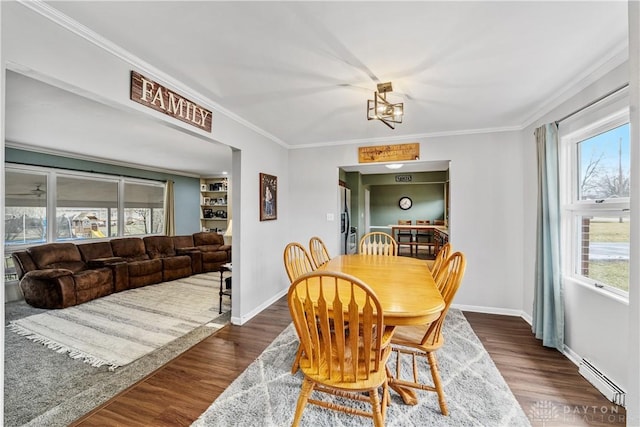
(186, 189)
(428, 203)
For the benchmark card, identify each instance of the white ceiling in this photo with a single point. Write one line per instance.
(303, 71)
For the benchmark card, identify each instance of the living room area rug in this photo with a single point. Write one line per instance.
(265, 394)
(44, 387)
(117, 329)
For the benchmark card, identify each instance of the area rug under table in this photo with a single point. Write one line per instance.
(117, 329)
(265, 394)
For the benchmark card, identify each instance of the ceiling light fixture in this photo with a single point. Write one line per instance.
(394, 165)
(379, 108)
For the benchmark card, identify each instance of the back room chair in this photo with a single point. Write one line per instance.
(378, 243)
(425, 237)
(340, 324)
(405, 235)
(423, 341)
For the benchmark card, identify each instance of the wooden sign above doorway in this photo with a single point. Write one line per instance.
(389, 153)
(154, 95)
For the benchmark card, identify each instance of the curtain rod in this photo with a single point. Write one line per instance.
(606, 95)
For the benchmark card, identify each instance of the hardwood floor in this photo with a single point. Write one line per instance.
(546, 384)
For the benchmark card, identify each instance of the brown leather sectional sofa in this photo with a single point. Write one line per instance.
(59, 275)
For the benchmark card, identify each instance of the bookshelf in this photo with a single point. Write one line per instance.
(214, 204)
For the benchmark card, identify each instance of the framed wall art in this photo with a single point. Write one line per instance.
(268, 197)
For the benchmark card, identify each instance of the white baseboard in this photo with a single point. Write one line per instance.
(492, 310)
(244, 319)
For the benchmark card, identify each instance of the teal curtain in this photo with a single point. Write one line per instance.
(548, 302)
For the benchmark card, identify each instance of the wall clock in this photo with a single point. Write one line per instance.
(405, 203)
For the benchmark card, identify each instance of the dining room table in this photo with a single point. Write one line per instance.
(405, 288)
(441, 233)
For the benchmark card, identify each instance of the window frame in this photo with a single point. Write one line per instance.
(572, 208)
(51, 175)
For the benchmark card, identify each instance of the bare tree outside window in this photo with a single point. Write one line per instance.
(604, 165)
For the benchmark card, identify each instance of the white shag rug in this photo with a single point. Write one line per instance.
(117, 329)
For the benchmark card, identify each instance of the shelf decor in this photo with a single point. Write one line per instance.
(268, 197)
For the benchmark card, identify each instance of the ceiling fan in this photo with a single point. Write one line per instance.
(35, 192)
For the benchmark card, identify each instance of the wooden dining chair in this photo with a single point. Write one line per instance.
(423, 341)
(297, 261)
(441, 257)
(405, 235)
(378, 243)
(340, 324)
(319, 252)
(424, 237)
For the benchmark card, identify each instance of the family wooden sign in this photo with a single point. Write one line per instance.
(389, 153)
(152, 94)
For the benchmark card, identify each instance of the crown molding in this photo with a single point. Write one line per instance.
(617, 57)
(96, 39)
(406, 137)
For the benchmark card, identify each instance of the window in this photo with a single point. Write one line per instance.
(25, 215)
(46, 205)
(143, 208)
(595, 213)
(86, 208)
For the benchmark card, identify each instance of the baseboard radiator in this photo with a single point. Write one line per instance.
(600, 381)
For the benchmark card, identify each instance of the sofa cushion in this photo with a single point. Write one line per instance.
(147, 267)
(91, 279)
(57, 255)
(95, 250)
(129, 248)
(159, 246)
(207, 239)
(180, 242)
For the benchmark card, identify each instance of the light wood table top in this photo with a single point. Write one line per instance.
(404, 286)
(440, 228)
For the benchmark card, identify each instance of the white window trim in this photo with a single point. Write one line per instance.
(50, 174)
(571, 209)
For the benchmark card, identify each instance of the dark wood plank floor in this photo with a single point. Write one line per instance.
(177, 393)
(546, 384)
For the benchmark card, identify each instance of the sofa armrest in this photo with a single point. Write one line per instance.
(196, 258)
(226, 248)
(119, 269)
(50, 288)
(49, 274)
(105, 262)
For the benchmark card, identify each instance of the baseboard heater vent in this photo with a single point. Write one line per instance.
(607, 387)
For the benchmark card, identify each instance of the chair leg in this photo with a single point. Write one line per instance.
(435, 374)
(378, 417)
(305, 392)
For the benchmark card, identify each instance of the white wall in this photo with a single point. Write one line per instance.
(596, 326)
(43, 49)
(486, 209)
